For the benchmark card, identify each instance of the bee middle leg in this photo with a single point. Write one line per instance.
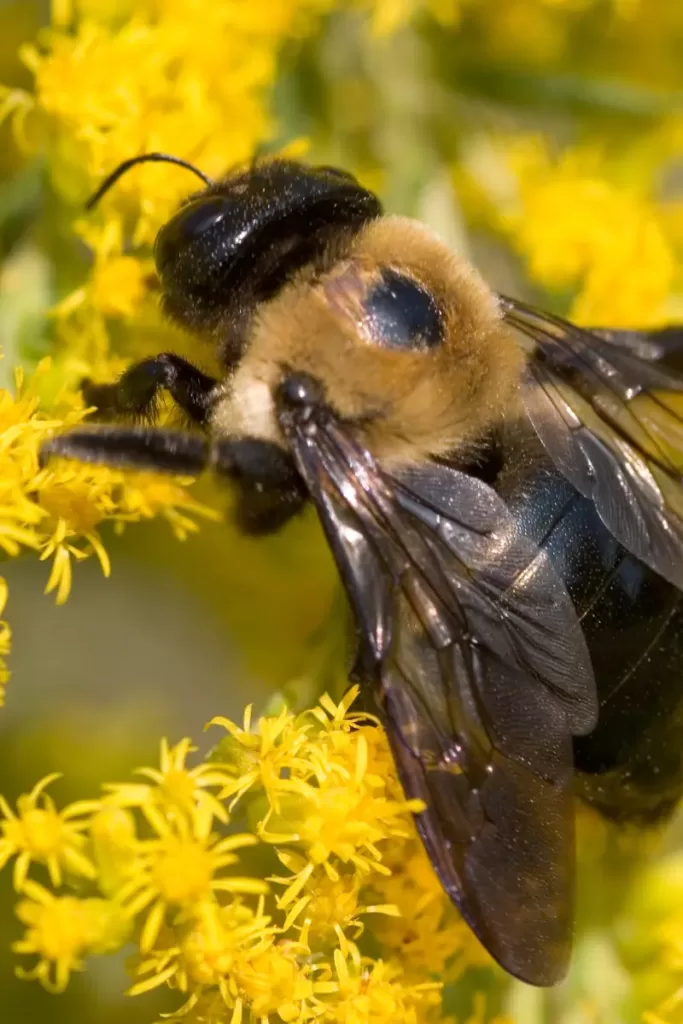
(136, 392)
(269, 489)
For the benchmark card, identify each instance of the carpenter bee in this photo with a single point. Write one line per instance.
(502, 494)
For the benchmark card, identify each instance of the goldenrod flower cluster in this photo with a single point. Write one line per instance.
(268, 924)
(589, 224)
(58, 513)
(176, 90)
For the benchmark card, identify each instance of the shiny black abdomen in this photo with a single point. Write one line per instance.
(631, 766)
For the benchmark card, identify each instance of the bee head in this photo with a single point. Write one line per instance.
(404, 339)
(235, 244)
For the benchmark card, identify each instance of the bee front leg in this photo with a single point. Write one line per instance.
(136, 392)
(162, 451)
(270, 491)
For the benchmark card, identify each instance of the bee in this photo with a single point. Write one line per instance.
(501, 491)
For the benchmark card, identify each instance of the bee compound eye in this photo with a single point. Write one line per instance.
(335, 172)
(192, 224)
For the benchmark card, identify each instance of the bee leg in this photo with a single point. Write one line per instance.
(136, 392)
(270, 491)
(165, 451)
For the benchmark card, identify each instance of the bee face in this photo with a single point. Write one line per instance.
(405, 339)
(234, 245)
(185, 250)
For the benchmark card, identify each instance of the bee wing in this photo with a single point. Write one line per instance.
(663, 344)
(481, 671)
(611, 419)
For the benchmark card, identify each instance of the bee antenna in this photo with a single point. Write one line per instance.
(159, 158)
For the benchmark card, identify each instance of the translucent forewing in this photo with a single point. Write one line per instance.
(481, 673)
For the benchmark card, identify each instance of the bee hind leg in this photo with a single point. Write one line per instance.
(136, 392)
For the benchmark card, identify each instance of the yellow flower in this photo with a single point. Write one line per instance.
(117, 283)
(176, 788)
(653, 926)
(201, 95)
(279, 982)
(5, 642)
(209, 946)
(368, 990)
(61, 930)
(290, 959)
(57, 511)
(426, 930)
(389, 15)
(577, 228)
(39, 832)
(219, 937)
(113, 842)
(177, 870)
(173, 90)
(327, 908)
(118, 286)
(208, 1008)
(234, 950)
(263, 758)
(341, 802)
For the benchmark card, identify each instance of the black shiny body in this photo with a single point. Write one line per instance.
(631, 766)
